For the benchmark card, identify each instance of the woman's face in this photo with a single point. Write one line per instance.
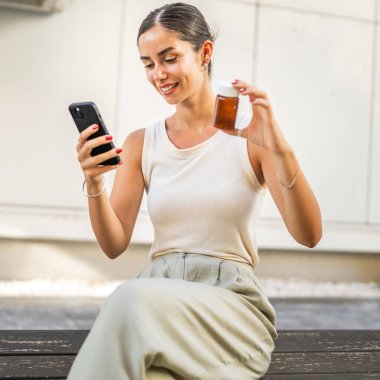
(171, 65)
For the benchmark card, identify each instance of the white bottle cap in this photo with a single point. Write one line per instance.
(226, 89)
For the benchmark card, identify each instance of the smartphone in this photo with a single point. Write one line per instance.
(85, 114)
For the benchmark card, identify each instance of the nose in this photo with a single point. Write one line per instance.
(159, 73)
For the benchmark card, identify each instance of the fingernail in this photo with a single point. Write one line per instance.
(108, 138)
(120, 163)
(118, 150)
(95, 127)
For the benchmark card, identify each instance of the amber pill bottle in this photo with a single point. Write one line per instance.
(226, 106)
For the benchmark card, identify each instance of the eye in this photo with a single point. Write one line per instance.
(150, 65)
(170, 59)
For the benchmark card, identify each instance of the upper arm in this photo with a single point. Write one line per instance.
(265, 168)
(128, 187)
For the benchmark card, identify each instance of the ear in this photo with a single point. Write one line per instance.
(207, 50)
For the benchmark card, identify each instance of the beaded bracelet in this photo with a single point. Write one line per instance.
(95, 195)
(291, 183)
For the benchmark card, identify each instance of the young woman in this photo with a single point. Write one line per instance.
(197, 311)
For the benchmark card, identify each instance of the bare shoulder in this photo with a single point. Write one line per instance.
(133, 144)
(136, 138)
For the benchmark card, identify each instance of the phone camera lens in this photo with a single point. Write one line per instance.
(78, 115)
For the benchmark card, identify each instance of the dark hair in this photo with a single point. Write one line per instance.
(184, 20)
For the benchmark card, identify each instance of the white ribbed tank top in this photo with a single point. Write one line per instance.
(204, 199)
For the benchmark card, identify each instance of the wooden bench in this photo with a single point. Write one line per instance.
(299, 354)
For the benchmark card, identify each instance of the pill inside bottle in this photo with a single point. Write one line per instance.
(226, 106)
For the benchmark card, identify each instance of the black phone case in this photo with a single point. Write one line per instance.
(87, 115)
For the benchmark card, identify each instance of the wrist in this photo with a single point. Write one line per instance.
(93, 189)
(94, 181)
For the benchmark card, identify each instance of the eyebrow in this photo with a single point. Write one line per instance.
(161, 53)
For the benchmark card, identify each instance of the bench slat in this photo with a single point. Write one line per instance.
(28, 342)
(327, 340)
(325, 376)
(14, 342)
(30, 367)
(299, 354)
(325, 362)
(282, 363)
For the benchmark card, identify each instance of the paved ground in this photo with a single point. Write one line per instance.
(296, 313)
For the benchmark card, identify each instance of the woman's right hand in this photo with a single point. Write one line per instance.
(90, 165)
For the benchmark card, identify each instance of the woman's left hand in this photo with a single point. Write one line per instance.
(263, 129)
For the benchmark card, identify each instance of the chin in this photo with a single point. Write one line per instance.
(171, 101)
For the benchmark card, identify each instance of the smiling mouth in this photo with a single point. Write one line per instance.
(168, 88)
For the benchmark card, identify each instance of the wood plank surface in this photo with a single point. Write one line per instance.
(325, 362)
(325, 376)
(22, 342)
(36, 366)
(327, 340)
(13, 342)
(299, 354)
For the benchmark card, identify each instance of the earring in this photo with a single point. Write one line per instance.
(205, 67)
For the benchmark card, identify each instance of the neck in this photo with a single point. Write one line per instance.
(196, 113)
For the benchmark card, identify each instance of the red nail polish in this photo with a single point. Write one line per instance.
(108, 138)
(95, 127)
(118, 150)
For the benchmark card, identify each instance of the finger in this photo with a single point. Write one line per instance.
(240, 132)
(240, 83)
(262, 102)
(107, 155)
(248, 89)
(88, 146)
(95, 161)
(100, 170)
(84, 135)
(252, 90)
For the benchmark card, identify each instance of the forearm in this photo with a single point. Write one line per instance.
(106, 225)
(302, 212)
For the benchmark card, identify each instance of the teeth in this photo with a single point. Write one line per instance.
(166, 89)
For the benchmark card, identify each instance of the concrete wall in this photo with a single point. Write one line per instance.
(30, 259)
(317, 60)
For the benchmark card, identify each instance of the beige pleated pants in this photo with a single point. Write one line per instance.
(185, 316)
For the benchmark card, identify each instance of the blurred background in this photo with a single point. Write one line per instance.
(319, 62)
